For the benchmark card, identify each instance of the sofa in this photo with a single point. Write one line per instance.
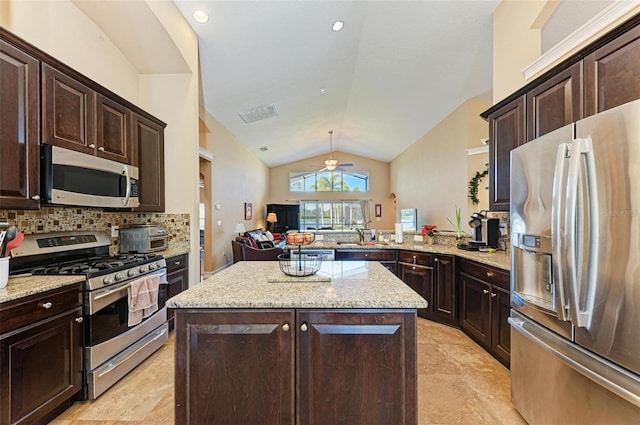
(244, 252)
(261, 239)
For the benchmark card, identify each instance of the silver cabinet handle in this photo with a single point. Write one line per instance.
(101, 149)
(435, 259)
(177, 263)
(92, 146)
(493, 295)
(303, 327)
(79, 319)
(47, 305)
(484, 291)
(285, 327)
(489, 274)
(36, 197)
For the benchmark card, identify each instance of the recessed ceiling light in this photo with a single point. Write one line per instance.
(200, 16)
(337, 26)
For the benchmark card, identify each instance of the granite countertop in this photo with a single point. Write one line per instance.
(499, 259)
(172, 252)
(250, 284)
(19, 287)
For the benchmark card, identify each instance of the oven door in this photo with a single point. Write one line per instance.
(107, 311)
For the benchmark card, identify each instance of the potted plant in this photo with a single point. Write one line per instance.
(428, 232)
(458, 224)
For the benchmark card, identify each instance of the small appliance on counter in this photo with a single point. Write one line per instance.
(143, 238)
(485, 233)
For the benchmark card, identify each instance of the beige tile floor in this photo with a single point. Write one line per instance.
(458, 383)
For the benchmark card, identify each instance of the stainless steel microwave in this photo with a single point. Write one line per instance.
(74, 178)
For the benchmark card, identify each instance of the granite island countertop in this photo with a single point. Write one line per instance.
(261, 284)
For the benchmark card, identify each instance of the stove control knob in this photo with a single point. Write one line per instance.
(159, 264)
(108, 280)
(144, 269)
(119, 276)
(132, 272)
(152, 266)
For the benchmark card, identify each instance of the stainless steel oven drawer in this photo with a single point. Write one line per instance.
(102, 378)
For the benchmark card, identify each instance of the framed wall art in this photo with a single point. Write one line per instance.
(378, 210)
(248, 211)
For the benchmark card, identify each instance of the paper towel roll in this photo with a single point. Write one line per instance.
(398, 232)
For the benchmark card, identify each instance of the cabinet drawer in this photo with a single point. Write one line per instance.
(413, 257)
(176, 263)
(34, 308)
(487, 273)
(365, 255)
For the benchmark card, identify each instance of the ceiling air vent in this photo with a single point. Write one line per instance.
(264, 149)
(259, 113)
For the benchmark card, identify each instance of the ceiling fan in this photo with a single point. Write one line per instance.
(332, 164)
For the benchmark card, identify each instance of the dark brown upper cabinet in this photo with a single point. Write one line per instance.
(19, 128)
(555, 103)
(67, 112)
(113, 123)
(506, 132)
(612, 73)
(148, 144)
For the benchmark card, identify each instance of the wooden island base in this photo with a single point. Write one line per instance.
(296, 366)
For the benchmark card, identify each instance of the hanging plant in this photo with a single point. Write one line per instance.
(473, 186)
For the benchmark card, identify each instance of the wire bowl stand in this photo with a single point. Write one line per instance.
(295, 263)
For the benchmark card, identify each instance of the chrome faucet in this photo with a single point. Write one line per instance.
(361, 235)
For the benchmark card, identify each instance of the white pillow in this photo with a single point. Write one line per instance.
(262, 238)
(269, 235)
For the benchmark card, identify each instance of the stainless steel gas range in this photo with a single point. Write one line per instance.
(111, 347)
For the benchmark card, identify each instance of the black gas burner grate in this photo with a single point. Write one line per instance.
(95, 266)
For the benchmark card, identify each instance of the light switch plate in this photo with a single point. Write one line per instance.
(114, 231)
(418, 238)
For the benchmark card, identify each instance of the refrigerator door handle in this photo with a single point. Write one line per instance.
(557, 231)
(581, 298)
(614, 378)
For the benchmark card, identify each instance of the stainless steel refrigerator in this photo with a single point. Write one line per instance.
(575, 272)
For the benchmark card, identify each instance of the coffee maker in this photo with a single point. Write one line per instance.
(485, 232)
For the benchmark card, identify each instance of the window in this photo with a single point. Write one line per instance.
(340, 215)
(329, 181)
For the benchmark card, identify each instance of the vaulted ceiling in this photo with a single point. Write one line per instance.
(394, 71)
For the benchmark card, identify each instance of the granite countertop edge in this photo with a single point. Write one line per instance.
(498, 259)
(20, 287)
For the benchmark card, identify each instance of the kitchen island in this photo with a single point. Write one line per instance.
(254, 345)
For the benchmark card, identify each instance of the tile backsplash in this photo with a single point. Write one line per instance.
(64, 219)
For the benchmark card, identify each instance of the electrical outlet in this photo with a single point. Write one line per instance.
(114, 231)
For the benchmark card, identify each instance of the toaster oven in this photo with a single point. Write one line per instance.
(143, 238)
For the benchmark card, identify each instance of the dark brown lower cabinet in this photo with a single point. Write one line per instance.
(295, 366)
(433, 277)
(177, 280)
(41, 362)
(485, 305)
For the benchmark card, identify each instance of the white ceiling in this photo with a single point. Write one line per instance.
(394, 71)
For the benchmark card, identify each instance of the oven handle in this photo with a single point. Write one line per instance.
(126, 285)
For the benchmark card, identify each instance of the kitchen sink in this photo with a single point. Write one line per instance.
(348, 243)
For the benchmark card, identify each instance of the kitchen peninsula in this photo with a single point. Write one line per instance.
(257, 346)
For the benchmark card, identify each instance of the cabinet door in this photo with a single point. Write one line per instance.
(19, 129)
(177, 281)
(555, 103)
(288, 217)
(40, 369)
(113, 125)
(148, 140)
(612, 73)
(445, 290)
(420, 279)
(67, 112)
(500, 329)
(475, 308)
(506, 132)
(234, 367)
(356, 367)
